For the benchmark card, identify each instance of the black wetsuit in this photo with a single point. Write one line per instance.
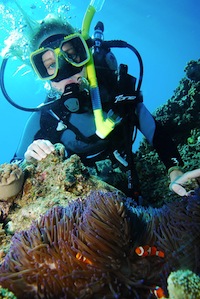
(76, 130)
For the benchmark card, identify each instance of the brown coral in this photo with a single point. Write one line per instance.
(85, 250)
(11, 180)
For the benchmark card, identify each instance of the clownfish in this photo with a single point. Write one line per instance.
(149, 251)
(82, 258)
(158, 293)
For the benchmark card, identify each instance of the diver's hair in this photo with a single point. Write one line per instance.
(51, 25)
(29, 40)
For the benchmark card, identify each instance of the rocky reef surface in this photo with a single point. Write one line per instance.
(180, 116)
(67, 234)
(54, 181)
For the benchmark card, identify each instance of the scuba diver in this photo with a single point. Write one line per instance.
(94, 105)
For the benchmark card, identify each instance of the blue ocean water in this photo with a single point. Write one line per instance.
(166, 34)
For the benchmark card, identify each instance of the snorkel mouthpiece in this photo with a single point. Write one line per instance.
(103, 126)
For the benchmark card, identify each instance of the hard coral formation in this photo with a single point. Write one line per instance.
(180, 117)
(54, 173)
(192, 70)
(11, 180)
(11, 183)
(49, 182)
(5, 294)
(85, 250)
(184, 284)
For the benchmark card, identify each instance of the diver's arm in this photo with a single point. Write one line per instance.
(158, 138)
(166, 149)
(32, 146)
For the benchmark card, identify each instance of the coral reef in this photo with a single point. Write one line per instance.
(180, 116)
(11, 182)
(50, 182)
(5, 294)
(183, 284)
(192, 70)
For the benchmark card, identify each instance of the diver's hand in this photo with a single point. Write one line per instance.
(178, 179)
(38, 150)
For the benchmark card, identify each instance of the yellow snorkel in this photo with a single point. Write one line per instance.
(103, 126)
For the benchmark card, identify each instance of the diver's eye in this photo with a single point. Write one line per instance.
(49, 61)
(73, 57)
(52, 66)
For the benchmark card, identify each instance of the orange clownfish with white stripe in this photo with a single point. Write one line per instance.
(149, 251)
(82, 258)
(158, 292)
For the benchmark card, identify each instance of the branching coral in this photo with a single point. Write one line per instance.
(86, 250)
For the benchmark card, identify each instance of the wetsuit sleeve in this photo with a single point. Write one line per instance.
(166, 148)
(32, 126)
(158, 137)
(40, 125)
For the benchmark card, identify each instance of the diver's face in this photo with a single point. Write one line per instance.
(49, 59)
(60, 86)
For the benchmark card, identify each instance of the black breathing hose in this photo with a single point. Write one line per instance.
(123, 44)
(2, 85)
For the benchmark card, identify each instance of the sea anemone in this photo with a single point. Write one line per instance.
(178, 232)
(86, 250)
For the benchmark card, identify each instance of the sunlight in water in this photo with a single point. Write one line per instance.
(14, 21)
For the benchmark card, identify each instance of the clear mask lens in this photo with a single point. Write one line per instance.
(75, 51)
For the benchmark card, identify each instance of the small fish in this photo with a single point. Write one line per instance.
(149, 251)
(82, 258)
(158, 292)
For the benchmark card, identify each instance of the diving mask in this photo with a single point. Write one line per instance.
(47, 60)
